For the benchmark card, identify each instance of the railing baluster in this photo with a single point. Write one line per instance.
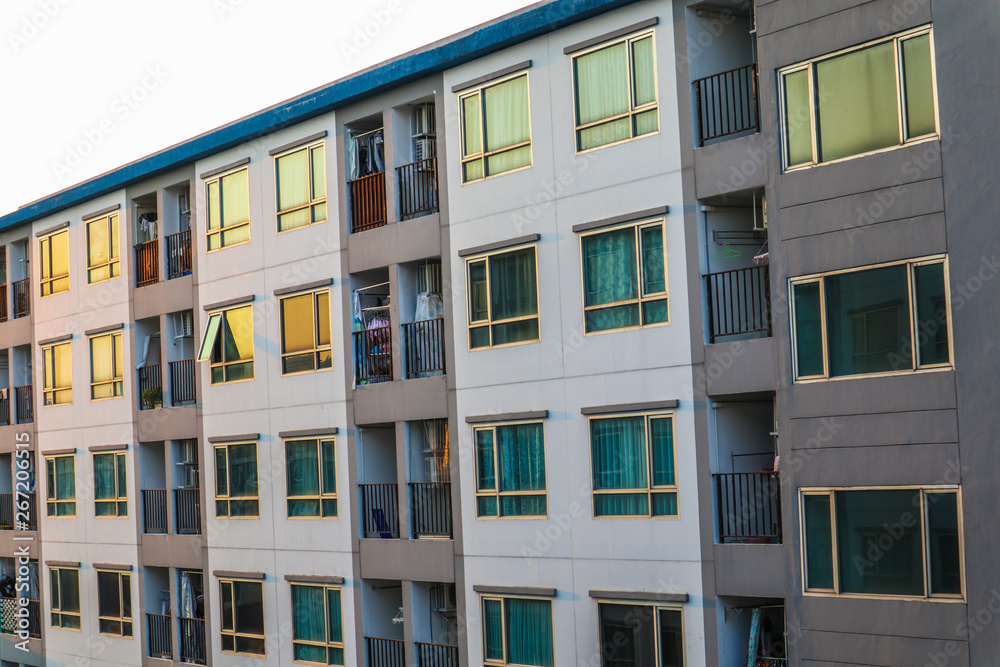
(192, 640)
(22, 399)
(22, 298)
(726, 103)
(151, 381)
(749, 506)
(147, 263)
(154, 510)
(182, 386)
(178, 254)
(159, 636)
(739, 302)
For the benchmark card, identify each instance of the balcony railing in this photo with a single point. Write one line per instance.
(771, 662)
(159, 636)
(385, 652)
(178, 254)
(436, 655)
(3, 302)
(430, 509)
(150, 387)
(749, 507)
(192, 640)
(34, 619)
(24, 517)
(380, 510)
(147, 263)
(22, 298)
(424, 347)
(154, 511)
(373, 355)
(22, 403)
(4, 407)
(727, 103)
(9, 608)
(187, 511)
(6, 511)
(739, 302)
(418, 188)
(367, 201)
(182, 382)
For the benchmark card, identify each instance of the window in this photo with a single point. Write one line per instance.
(110, 488)
(114, 592)
(635, 634)
(54, 253)
(106, 366)
(57, 371)
(517, 631)
(301, 185)
(102, 249)
(615, 87)
(228, 210)
(510, 471)
(503, 298)
(624, 278)
(305, 333)
(228, 345)
(318, 633)
(861, 100)
(633, 465)
(311, 469)
(496, 129)
(60, 485)
(866, 321)
(236, 481)
(242, 616)
(65, 597)
(898, 541)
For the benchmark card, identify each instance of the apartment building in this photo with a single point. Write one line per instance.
(591, 335)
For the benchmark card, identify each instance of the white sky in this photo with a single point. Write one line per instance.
(88, 85)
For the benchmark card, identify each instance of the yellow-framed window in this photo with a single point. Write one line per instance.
(496, 128)
(53, 253)
(60, 485)
(503, 298)
(517, 631)
(658, 629)
(305, 333)
(102, 249)
(228, 209)
(64, 597)
(110, 484)
(311, 478)
(300, 181)
(57, 374)
(106, 366)
(242, 616)
(317, 625)
(114, 601)
(228, 345)
(510, 470)
(236, 489)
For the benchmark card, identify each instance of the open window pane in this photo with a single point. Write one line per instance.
(932, 315)
(798, 119)
(818, 542)
(211, 333)
(918, 86)
(944, 553)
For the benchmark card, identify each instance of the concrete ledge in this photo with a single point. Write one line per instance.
(750, 570)
(739, 367)
(395, 243)
(167, 423)
(730, 165)
(16, 332)
(180, 551)
(415, 560)
(166, 296)
(402, 400)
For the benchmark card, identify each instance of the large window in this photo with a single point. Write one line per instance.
(861, 100)
(633, 465)
(57, 374)
(236, 481)
(53, 250)
(301, 184)
(106, 366)
(496, 129)
(510, 471)
(114, 593)
(228, 210)
(317, 625)
(615, 86)
(305, 333)
(242, 616)
(102, 249)
(110, 487)
(517, 631)
(624, 278)
(65, 597)
(60, 485)
(503, 298)
(311, 469)
(880, 320)
(228, 345)
(641, 635)
(883, 541)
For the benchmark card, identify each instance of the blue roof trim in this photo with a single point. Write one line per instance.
(453, 51)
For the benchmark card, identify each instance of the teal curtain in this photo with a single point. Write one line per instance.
(618, 450)
(609, 276)
(492, 630)
(302, 476)
(308, 623)
(513, 293)
(243, 480)
(529, 632)
(104, 484)
(485, 473)
(654, 279)
(522, 468)
(662, 437)
(505, 107)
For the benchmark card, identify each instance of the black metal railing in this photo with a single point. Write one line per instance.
(150, 387)
(147, 263)
(436, 655)
(3, 303)
(726, 103)
(418, 188)
(373, 355)
(749, 506)
(430, 509)
(6, 511)
(380, 509)
(178, 254)
(154, 510)
(739, 301)
(182, 388)
(367, 202)
(22, 298)
(34, 619)
(22, 404)
(191, 632)
(187, 511)
(385, 652)
(4, 407)
(18, 510)
(424, 347)
(159, 636)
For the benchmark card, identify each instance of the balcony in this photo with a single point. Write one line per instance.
(366, 197)
(423, 347)
(182, 385)
(150, 384)
(385, 652)
(418, 188)
(430, 509)
(739, 302)
(380, 510)
(154, 511)
(22, 404)
(4, 407)
(21, 298)
(10, 617)
(373, 355)
(178, 254)
(192, 640)
(24, 519)
(436, 655)
(147, 263)
(187, 511)
(159, 636)
(749, 507)
(726, 103)
(3, 302)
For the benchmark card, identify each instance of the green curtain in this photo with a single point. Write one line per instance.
(644, 76)
(609, 276)
(505, 107)
(529, 632)
(104, 484)
(654, 279)
(492, 630)
(513, 293)
(798, 119)
(618, 450)
(919, 87)
(602, 91)
(308, 622)
(808, 329)
(302, 474)
(521, 458)
(662, 436)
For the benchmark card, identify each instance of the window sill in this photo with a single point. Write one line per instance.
(884, 374)
(879, 151)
